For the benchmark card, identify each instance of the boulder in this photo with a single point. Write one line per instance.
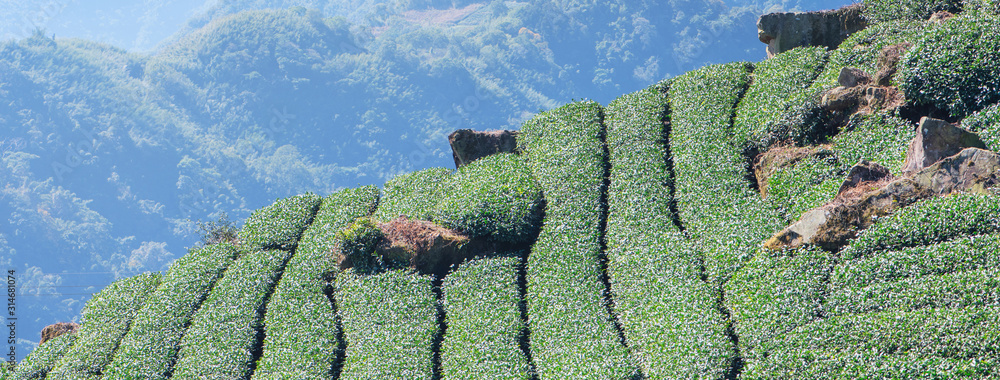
(468, 145)
(935, 140)
(940, 17)
(786, 31)
(52, 331)
(863, 173)
(853, 77)
(422, 245)
(832, 225)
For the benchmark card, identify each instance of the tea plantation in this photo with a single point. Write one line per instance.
(625, 243)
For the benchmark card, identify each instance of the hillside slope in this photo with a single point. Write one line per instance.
(620, 242)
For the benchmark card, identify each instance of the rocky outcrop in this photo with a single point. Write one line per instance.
(786, 31)
(859, 93)
(422, 245)
(54, 330)
(935, 140)
(870, 192)
(768, 163)
(888, 61)
(468, 145)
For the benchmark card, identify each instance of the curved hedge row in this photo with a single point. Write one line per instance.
(879, 138)
(389, 321)
(680, 334)
(482, 300)
(917, 10)
(572, 334)
(714, 198)
(775, 293)
(766, 113)
(279, 225)
(105, 320)
(412, 194)
(805, 185)
(301, 322)
(150, 347)
(958, 343)
(40, 361)
(986, 124)
(955, 66)
(927, 222)
(225, 332)
(493, 197)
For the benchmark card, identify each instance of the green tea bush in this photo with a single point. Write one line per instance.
(412, 194)
(357, 242)
(493, 197)
(986, 123)
(861, 50)
(778, 85)
(805, 185)
(917, 10)
(150, 347)
(960, 289)
(224, 333)
(40, 361)
(389, 321)
(991, 7)
(927, 222)
(301, 335)
(572, 334)
(955, 66)
(682, 334)
(482, 311)
(775, 293)
(840, 346)
(968, 253)
(279, 225)
(716, 202)
(879, 138)
(105, 320)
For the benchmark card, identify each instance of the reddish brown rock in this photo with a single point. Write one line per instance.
(940, 17)
(864, 173)
(888, 61)
(52, 331)
(767, 163)
(468, 145)
(422, 245)
(935, 140)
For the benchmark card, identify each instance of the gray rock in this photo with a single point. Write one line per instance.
(786, 31)
(863, 171)
(972, 169)
(935, 140)
(853, 77)
(468, 145)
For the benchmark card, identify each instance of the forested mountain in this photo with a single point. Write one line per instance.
(110, 156)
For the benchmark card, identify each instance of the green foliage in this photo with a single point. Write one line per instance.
(955, 66)
(938, 343)
(715, 200)
(357, 242)
(389, 321)
(150, 347)
(954, 290)
(279, 225)
(880, 138)
(105, 320)
(225, 331)
(40, 361)
(681, 335)
(413, 194)
(301, 336)
(931, 221)
(572, 334)
(805, 185)
(991, 7)
(482, 311)
(779, 85)
(986, 123)
(861, 50)
(775, 293)
(917, 10)
(968, 253)
(493, 197)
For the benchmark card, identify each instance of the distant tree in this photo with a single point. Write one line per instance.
(217, 231)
